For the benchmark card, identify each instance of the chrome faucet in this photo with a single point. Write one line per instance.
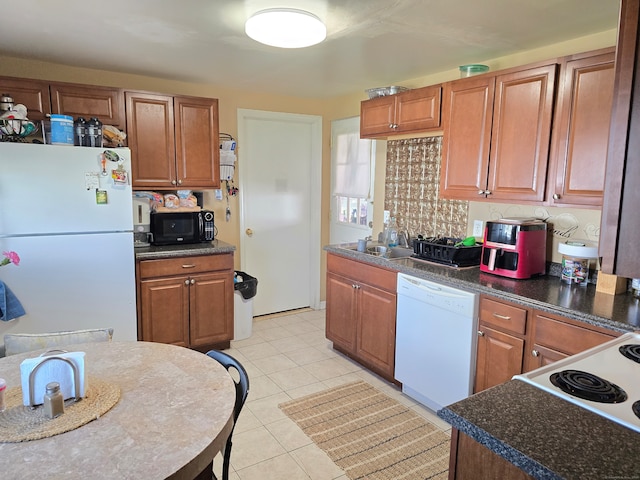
(403, 239)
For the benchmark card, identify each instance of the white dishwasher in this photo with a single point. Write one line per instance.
(436, 338)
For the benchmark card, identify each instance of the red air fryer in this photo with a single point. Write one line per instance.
(515, 248)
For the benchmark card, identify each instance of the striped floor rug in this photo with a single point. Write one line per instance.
(371, 436)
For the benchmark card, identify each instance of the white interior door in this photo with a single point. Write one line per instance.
(279, 164)
(351, 209)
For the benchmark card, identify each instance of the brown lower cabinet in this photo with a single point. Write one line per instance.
(186, 301)
(361, 313)
(514, 339)
(470, 460)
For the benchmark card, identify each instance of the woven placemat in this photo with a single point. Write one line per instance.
(20, 424)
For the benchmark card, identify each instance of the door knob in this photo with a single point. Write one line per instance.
(249, 232)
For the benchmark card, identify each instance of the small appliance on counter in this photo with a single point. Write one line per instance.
(175, 228)
(515, 247)
(141, 221)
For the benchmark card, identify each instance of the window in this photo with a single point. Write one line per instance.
(352, 170)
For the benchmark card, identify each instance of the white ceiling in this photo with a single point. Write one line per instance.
(370, 43)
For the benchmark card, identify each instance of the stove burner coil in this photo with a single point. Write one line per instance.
(631, 351)
(588, 386)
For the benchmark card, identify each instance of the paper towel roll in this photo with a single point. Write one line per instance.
(53, 371)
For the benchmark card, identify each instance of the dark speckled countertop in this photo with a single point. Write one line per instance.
(616, 312)
(545, 436)
(169, 251)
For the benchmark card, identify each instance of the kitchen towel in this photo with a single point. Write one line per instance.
(10, 306)
(54, 370)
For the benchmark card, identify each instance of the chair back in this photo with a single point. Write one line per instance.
(242, 385)
(242, 390)
(27, 342)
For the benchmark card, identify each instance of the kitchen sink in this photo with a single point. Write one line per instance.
(387, 252)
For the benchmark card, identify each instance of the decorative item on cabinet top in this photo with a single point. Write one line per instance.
(385, 91)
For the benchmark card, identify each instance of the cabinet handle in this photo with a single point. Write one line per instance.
(186, 282)
(535, 353)
(189, 265)
(193, 282)
(391, 125)
(179, 182)
(480, 192)
(556, 196)
(487, 192)
(501, 317)
(480, 333)
(356, 286)
(173, 182)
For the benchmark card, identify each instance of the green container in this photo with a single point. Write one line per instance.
(472, 69)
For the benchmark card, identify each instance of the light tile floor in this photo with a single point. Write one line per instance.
(287, 357)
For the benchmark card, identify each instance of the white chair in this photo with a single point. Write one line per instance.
(26, 342)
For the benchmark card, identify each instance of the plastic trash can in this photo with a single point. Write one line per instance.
(245, 288)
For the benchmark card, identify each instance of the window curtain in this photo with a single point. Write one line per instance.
(353, 166)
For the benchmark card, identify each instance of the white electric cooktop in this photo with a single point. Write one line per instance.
(606, 362)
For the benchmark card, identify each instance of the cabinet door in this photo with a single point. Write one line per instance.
(341, 312)
(211, 308)
(620, 221)
(376, 328)
(499, 358)
(521, 134)
(33, 94)
(467, 110)
(104, 103)
(540, 356)
(197, 142)
(150, 134)
(418, 109)
(581, 131)
(377, 116)
(472, 461)
(165, 310)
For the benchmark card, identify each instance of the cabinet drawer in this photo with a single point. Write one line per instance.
(566, 338)
(362, 272)
(185, 265)
(504, 316)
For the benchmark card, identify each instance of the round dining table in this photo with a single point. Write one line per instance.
(174, 415)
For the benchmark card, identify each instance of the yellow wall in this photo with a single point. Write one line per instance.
(231, 99)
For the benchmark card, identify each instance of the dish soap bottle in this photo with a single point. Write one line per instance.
(392, 233)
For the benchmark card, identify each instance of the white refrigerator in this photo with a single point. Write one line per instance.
(71, 222)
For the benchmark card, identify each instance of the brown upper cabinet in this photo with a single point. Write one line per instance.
(407, 112)
(620, 222)
(173, 141)
(43, 97)
(497, 132)
(581, 129)
(104, 103)
(33, 94)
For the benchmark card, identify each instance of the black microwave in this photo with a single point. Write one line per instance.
(174, 228)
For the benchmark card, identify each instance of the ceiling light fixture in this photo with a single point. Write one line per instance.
(286, 28)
